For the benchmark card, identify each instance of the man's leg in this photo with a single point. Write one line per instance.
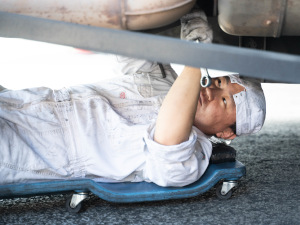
(34, 138)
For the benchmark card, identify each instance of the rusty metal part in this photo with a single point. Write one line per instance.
(265, 18)
(118, 14)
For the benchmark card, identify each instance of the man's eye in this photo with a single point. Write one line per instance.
(219, 82)
(224, 100)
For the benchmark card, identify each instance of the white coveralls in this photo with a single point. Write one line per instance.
(101, 131)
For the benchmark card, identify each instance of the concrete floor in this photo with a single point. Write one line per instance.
(269, 194)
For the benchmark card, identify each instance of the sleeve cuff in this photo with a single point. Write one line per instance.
(172, 153)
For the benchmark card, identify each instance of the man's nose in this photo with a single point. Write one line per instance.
(211, 93)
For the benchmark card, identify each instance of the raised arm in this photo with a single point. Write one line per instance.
(177, 114)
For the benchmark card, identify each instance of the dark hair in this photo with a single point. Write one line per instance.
(233, 128)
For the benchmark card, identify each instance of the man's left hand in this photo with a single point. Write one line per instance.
(194, 26)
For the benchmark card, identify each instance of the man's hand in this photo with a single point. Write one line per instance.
(194, 26)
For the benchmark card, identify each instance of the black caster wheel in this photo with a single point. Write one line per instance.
(220, 195)
(69, 208)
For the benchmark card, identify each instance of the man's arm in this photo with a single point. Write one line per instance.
(176, 116)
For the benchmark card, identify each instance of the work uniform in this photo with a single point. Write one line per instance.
(102, 131)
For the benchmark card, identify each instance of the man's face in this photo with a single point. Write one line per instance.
(216, 109)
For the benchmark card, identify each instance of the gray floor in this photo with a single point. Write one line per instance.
(269, 194)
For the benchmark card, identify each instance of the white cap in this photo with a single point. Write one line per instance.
(250, 103)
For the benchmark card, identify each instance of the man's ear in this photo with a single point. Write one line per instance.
(226, 134)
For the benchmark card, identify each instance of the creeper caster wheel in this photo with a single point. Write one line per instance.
(224, 190)
(74, 202)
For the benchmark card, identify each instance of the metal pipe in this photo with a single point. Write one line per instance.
(118, 14)
(263, 18)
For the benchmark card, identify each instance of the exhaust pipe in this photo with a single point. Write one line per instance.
(117, 14)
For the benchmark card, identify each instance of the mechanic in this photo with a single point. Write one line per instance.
(141, 126)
